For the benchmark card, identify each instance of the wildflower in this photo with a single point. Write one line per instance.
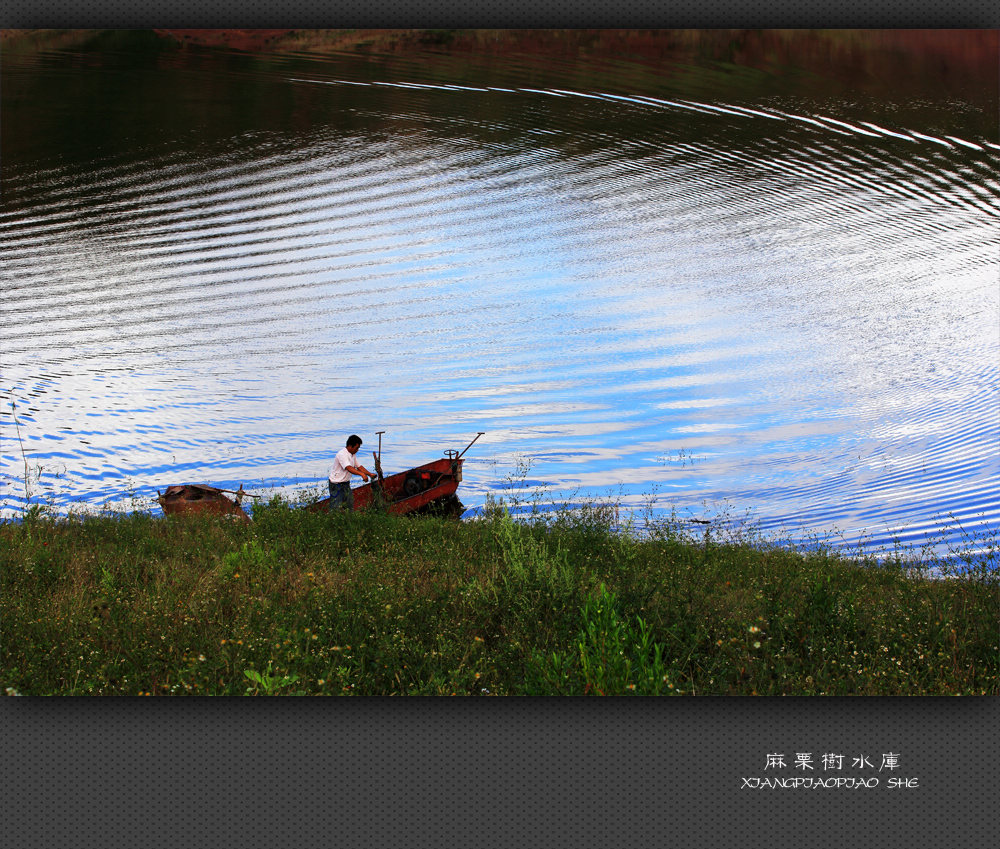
(201, 657)
(478, 676)
(754, 629)
(718, 642)
(479, 639)
(631, 686)
(222, 642)
(315, 636)
(321, 682)
(756, 644)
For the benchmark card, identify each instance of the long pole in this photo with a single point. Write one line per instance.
(467, 447)
(27, 492)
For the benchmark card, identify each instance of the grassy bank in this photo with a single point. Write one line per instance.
(300, 603)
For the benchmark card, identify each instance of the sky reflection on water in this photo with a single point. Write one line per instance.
(801, 305)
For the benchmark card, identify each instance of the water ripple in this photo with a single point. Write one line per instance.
(800, 304)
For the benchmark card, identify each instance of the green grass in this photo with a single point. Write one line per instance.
(364, 603)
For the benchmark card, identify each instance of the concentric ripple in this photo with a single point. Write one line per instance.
(699, 306)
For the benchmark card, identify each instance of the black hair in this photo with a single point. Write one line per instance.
(353, 439)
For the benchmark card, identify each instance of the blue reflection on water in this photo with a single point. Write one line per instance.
(715, 304)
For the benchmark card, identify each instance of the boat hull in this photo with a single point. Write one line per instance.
(418, 489)
(186, 499)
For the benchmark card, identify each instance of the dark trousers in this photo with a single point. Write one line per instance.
(341, 496)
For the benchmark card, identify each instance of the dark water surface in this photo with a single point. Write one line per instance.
(737, 289)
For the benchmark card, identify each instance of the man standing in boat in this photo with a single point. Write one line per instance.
(343, 467)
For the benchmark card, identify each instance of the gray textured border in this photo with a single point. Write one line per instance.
(494, 772)
(515, 772)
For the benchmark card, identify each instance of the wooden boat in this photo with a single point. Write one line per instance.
(199, 498)
(422, 489)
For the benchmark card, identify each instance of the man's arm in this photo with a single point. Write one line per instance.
(359, 470)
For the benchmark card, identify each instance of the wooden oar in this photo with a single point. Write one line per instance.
(239, 492)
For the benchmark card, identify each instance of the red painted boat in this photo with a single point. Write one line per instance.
(198, 498)
(427, 488)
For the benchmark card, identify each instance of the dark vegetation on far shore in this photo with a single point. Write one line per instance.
(948, 63)
(365, 603)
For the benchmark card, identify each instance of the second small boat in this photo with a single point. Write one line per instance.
(199, 498)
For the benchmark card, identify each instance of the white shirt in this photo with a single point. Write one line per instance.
(338, 471)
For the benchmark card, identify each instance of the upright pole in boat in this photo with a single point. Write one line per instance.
(467, 447)
(378, 457)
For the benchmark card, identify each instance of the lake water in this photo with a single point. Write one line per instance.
(748, 290)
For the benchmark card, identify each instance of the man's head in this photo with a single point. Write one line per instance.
(353, 443)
